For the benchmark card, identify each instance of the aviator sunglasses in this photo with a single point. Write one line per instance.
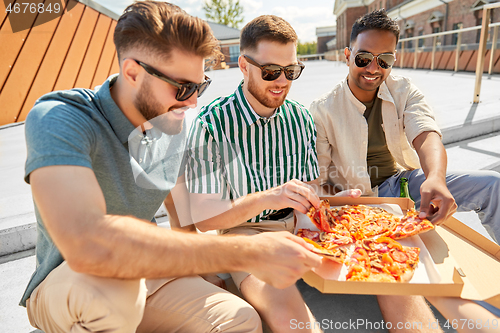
(384, 60)
(185, 90)
(272, 72)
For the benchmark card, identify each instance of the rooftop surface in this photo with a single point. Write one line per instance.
(471, 130)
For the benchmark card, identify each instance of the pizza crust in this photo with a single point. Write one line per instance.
(407, 275)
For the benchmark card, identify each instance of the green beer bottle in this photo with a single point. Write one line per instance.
(404, 192)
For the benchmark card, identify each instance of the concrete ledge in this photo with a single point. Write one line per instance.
(468, 131)
(17, 239)
(16, 256)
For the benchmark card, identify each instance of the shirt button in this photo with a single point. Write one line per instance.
(140, 160)
(364, 142)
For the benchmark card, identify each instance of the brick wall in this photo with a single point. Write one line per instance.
(225, 52)
(458, 12)
(227, 56)
(344, 25)
(321, 42)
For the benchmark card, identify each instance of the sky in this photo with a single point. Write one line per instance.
(303, 18)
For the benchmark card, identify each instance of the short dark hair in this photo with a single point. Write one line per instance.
(376, 20)
(266, 27)
(158, 27)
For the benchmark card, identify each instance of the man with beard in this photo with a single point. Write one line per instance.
(100, 163)
(253, 151)
(251, 156)
(396, 135)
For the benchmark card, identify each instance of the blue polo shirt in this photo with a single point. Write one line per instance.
(83, 127)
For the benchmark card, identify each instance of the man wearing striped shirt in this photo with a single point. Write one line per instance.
(253, 151)
(250, 156)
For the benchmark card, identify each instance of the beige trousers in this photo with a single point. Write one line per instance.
(247, 228)
(67, 301)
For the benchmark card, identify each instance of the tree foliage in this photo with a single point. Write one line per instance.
(307, 48)
(226, 12)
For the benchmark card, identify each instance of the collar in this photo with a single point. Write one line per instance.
(152, 135)
(115, 117)
(384, 93)
(249, 115)
(360, 107)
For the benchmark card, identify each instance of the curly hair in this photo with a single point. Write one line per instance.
(376, 20)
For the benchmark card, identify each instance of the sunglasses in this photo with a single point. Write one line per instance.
(272, 72)
(185, 90)
(384, 60)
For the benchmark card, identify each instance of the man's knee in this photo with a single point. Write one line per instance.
(246, 320)
(236, 315)
(493, 178)
(485, 179)
(66, 299)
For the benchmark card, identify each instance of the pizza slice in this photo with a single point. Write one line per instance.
(337, 254)
(327, 241)
(326, 218)
(360, 220)
(351, 215)
(410, 225)
(322, 217)
(378, 222)
(382, 260)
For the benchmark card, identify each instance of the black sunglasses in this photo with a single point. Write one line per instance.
(384, 60)
(185, 90)
(272, 72)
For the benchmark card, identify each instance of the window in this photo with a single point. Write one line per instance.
(454, 37)
(234, 53)
(421, 41)
(479, 21)
(436, 30)
(409, 44)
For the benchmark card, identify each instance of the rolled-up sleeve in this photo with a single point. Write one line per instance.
(418, 115)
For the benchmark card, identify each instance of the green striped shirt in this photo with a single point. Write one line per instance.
(234, 151)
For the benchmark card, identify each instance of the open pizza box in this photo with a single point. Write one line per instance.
(467, 263)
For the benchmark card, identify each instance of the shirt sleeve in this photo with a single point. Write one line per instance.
(57, 134)
(203, 165)
(322, 145)
(418, 115)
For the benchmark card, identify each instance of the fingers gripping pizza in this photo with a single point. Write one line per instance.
(363, 238)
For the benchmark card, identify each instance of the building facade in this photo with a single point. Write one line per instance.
(417, 18)
(326, 38)
(229, 39)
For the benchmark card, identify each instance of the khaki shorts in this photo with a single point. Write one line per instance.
(67, 301)
(249, 229)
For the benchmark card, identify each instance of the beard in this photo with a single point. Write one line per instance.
(151, 109)
(262, 98)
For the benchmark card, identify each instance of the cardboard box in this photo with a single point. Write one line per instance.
(469, 263)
